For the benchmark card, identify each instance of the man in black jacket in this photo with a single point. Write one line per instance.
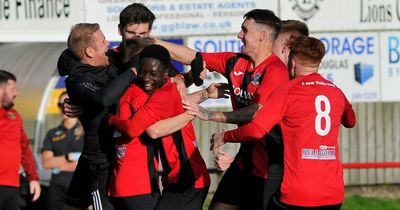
(95, 86)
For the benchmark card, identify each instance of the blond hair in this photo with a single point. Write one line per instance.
(81, 37)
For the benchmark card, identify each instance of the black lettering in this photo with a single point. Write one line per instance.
(17, 6)
(398, 10)
(66, 8)
(58, 12)
(382, 13)
(374, 13)
(389, 13)
(6, 9)
(32, 7)
(41, 10)
(362, 20)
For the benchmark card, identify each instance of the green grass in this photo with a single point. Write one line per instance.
(356, 202)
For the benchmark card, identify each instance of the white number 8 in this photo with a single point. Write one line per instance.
(322, 114)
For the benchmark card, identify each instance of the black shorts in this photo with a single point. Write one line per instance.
(9, 197)
(137, 202)
(89, 185)
(239, 189)
(191, 198)
(56, 195)
(275, 204)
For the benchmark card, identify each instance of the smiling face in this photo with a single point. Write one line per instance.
(249, 35)
(152, 74)
(100, 48)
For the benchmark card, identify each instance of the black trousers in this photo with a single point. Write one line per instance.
(9, 198)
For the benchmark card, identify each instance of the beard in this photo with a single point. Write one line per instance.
(7, 102)
(8, 105)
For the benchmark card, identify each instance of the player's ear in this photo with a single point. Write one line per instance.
(89, 51)
(166, 72)
(119, 30)
(263, 35)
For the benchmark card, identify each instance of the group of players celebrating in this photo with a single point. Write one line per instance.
(136, 114)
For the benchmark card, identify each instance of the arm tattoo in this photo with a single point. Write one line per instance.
(243, 115)
(203, 96)
(208, 115)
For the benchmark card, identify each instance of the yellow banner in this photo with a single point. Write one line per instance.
(52, 107)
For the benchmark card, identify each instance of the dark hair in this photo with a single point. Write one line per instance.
(81, 38)
(158, 52)
(308, 50)
(5, 76)
(135, 13)
(266, 17)
(294, 26)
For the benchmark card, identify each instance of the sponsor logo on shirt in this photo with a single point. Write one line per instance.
(256, 79)
(308, 83)
(243, 97)
(11, 115)
(237, 73)
(90, 86)
(322, 153)
(120, 150)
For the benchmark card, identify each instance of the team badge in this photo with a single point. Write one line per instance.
(305, 9)
(11, 115)
(255, 80)
(120, 149)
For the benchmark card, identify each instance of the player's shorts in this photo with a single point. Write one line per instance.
(9, 197)
(137, 202)
(278, 205)
(240, 189)
(56, 195)
(89, 184)
(191, 198)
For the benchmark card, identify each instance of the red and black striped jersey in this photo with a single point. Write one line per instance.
(249, 86)
(136, 165)
(181, 159)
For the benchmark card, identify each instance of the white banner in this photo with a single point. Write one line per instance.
(390, 66)
(352, 62)
(339, 15)
(39, 21)
(179, 18)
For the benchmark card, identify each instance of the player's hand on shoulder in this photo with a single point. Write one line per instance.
(180, 85)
